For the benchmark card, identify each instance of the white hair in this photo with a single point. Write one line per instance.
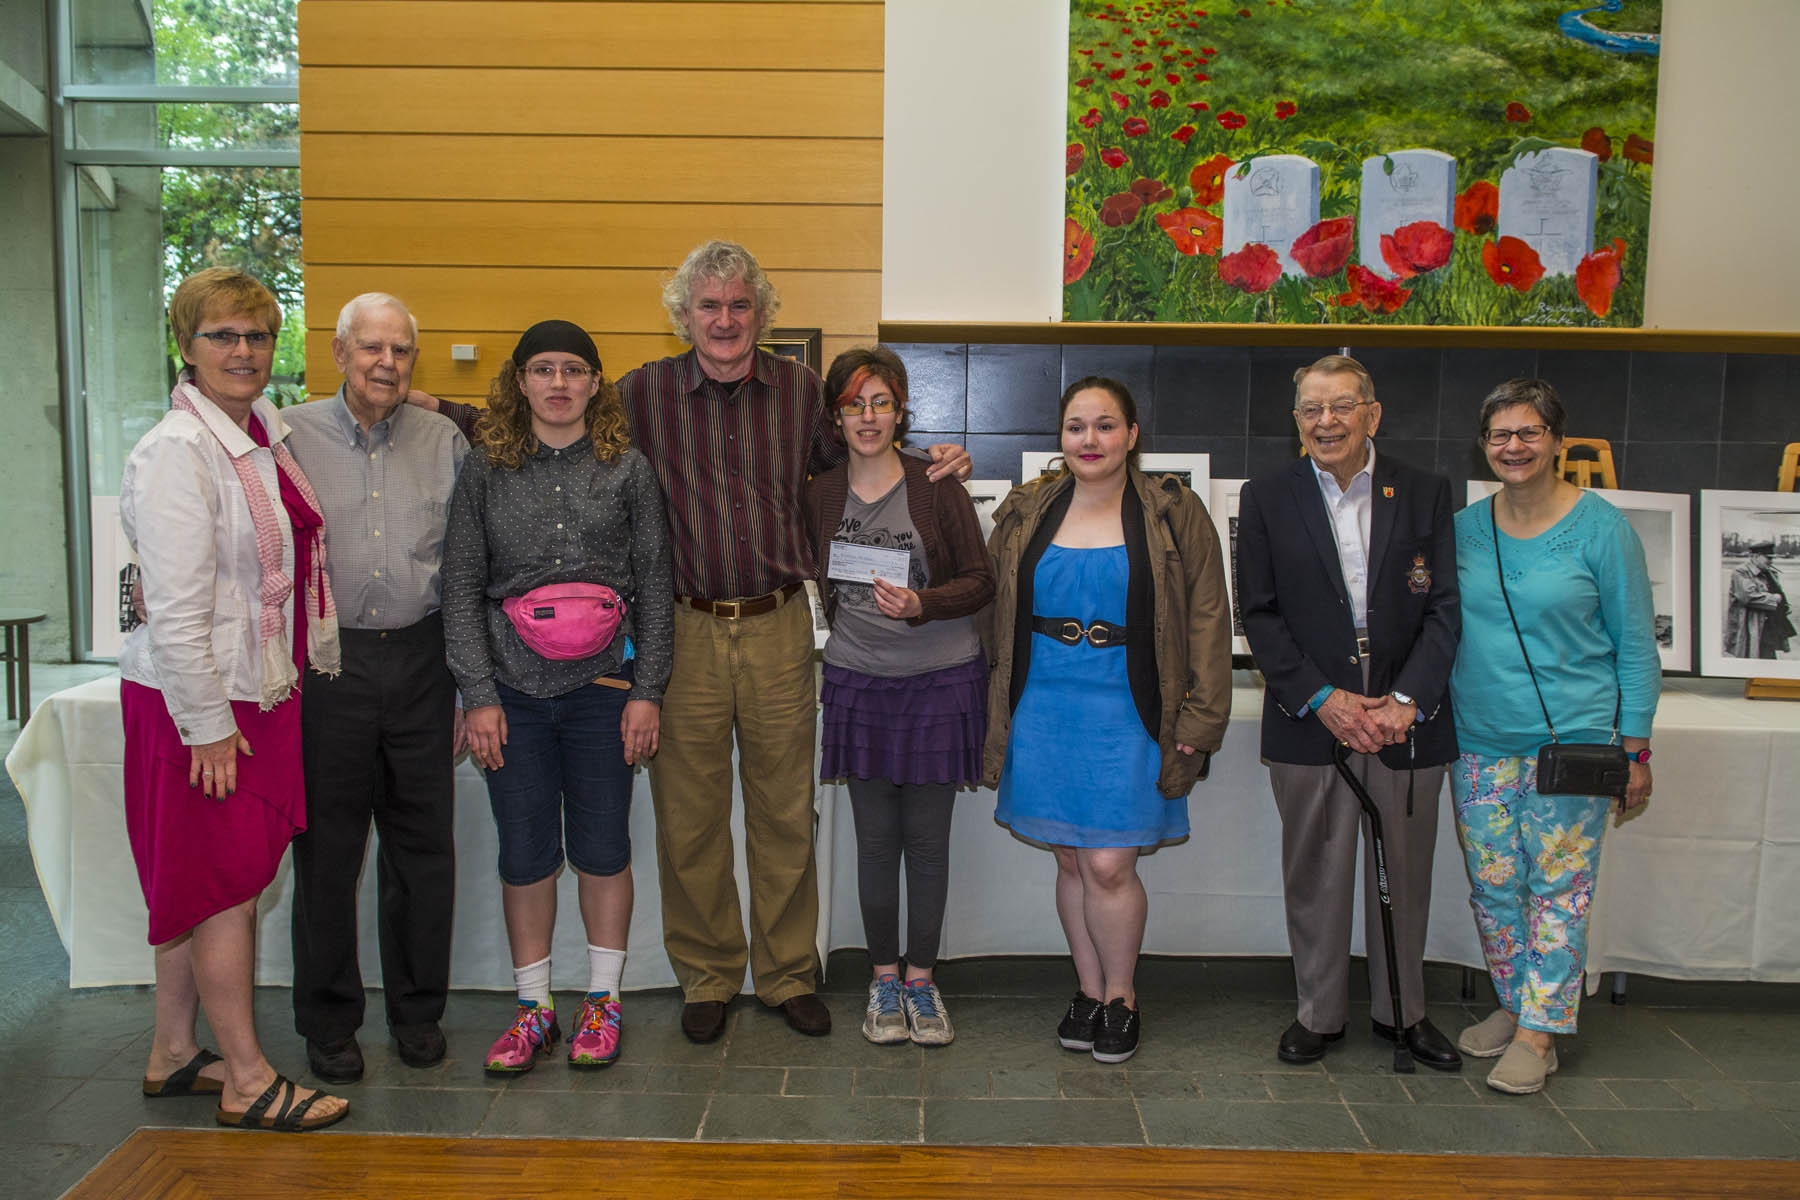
(347, 316)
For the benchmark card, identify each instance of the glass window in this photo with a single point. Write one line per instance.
(188, 42)
(104, 125)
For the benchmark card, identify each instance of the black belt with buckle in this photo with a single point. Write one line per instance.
(1071, 632)
(755, 606)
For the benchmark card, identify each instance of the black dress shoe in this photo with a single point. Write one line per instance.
(1301, 1045)
(703, 1020)
(807, 1014)
(1426, 1043)
(335, 1062)
(421, 1045)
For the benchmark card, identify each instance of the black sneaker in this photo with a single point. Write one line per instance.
(1117, 1038)
(1078, 1028)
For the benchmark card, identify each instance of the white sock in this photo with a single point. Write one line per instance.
(604, 969)
(533, 983)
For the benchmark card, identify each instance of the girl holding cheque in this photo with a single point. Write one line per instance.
(902, 570)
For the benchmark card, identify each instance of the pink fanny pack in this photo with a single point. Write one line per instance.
(566, 620)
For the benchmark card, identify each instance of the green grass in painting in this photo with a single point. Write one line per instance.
(1157, 88)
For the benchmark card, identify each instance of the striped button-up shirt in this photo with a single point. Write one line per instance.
(385, 495)
(733, 463)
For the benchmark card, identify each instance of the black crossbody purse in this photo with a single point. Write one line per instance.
(1568, 768)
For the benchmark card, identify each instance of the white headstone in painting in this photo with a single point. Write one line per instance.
(1420, 187)
(1273, 202)
(1547, 202)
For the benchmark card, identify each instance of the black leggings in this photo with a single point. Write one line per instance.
(891, 819)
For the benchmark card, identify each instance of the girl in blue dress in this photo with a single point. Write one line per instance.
(1111, 688)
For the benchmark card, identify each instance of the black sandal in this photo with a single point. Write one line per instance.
(289, 1118)
(187, 1081)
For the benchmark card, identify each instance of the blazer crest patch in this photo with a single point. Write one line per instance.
(1387, 493)
(1418, 579)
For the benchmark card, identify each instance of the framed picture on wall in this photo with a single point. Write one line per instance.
(1749, 570)
(801, 345)
(1661, 522)
(987, 495)
(1222, 503)
(1194, 470)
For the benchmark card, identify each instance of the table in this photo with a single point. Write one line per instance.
(1702, 885)
(18, 622)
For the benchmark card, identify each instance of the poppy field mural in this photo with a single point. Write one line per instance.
(1341, 162)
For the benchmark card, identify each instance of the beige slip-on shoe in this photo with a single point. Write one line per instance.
(1490, 1038)
(1520, 1071)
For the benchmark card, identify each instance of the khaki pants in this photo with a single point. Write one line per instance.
(752, 677)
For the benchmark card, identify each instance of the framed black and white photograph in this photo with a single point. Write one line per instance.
(1660, 519)
(802, 345)
(1749, 566)
(1222, 503)
(987, 495)
(1194, 470)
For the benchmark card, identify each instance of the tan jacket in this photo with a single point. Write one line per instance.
(1192, 634)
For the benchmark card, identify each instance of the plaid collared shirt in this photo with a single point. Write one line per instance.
(733, 464)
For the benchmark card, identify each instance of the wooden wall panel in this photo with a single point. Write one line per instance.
(482, 33)
(495, 164)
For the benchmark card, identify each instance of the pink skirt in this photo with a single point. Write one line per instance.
(198, 857)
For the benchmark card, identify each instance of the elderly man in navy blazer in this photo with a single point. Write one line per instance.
(1347, 585)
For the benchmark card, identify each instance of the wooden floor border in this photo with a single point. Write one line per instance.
(253, 1166)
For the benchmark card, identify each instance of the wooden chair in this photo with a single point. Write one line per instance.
(1592, 468)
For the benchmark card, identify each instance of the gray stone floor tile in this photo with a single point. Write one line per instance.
(1626, 1044)
(620, 1077)
(1032, 1122)
(1688, 1134)
(101, 1112)
(1250, 1126)
(1161, 1085)
(959, 1081)
(1776, 1097)
(1233, 1086)
(1434, 1089)
(888, 1081)
(1291, 1089)
(567, 1115)
(18, 1103)
(812, 1119)
(665, 1077)
(436, 1112)
(1092, 1083)
(1469, 1129)
(1372, 1089)
(1720, 1094)
(1647, 1093)
(818, 1081)
(1567, 1091)
(758, 1081)
(48, 1168)
(1742, 1045)
(1023, 1084)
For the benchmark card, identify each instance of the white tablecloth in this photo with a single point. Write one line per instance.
(1702, 885)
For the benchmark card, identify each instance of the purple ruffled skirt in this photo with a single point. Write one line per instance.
(913, 729)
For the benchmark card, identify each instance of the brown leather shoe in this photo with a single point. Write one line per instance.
(807, 1014)
(703, 1020)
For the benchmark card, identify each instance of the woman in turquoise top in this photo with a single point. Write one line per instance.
(1576, 580)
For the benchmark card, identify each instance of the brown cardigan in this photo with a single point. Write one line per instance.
(960, 573)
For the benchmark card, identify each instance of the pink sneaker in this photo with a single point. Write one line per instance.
(596, 1039)
(533, 1032)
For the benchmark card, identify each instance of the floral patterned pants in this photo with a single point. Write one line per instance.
(1532, 861)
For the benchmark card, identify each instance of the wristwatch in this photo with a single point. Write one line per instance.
(1403, 698)
(1639, 756)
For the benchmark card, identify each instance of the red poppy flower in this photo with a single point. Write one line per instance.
(1243, 12)
(1121, 208)
(1118, 74)
(1638, 150)
(1183, 134)
(1201, 77)
(1231, 120)
(1146, 66)
(1208, 51)
(1078, 251)
(1512, 263)
(1159, 99)
(1200, 106)
(1139, 42)
(1595, 142)
(1121, 99)
(1208, 180)
(1136, 127)
(1253, 269)
(1085, 83)
(1074, 158)
(1370, 290)
(1151, 191)
(1478, 209)
(1118, 54)
(1171, 79)
(1193, 230)
(1114, 157)
(1325, 248)
(1417, 248)
(1597, 275)
(1089, 53)
(1092, 119)
(1285, 109)
(1517, 112)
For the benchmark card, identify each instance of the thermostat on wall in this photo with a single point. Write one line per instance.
(462, 353)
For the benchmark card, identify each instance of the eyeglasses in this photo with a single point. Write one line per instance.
(573, 372)
(738, 308)
(1529, 434)
(1341, 409)
(881, 405)
(226, 339)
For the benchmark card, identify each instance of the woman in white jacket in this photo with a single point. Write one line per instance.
(231, 546)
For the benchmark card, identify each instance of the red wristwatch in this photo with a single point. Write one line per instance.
(1639, 756)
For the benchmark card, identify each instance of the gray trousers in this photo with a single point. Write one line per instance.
(1320, 818)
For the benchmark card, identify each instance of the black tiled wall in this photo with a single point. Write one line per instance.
(1678, 422)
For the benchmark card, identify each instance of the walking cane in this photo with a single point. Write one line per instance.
(1340, 758)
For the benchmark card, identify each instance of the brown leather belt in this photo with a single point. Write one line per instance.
(755, 606)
